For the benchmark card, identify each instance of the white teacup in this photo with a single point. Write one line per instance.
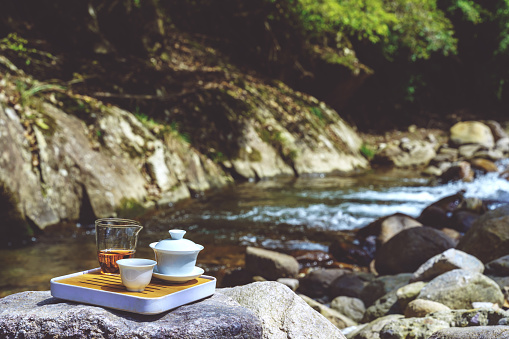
(136, 273)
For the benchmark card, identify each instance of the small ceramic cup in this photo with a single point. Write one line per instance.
(136, 273)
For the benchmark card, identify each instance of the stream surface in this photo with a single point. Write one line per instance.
(280, 214)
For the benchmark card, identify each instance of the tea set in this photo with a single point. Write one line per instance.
(175, 258)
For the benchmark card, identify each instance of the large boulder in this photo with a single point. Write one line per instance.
(418, 245)
(447, 261)
(488, 238)
(258, 310)
(270, 264)
(472, 132)
(38, 315)
(458, 289)
(283, 313)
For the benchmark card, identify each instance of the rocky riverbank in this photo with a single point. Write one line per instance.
(69, 157)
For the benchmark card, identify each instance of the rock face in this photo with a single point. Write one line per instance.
(458, 289)
(418, 245)
(259, 310)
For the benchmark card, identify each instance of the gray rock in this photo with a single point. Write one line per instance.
(458, 289)
(337, 318)
(38, 315)
(407, 153)
(408, 293)
(488, 238)
(479, 332)
(291, 283)
(372, 330)
(419, 308)
(350, 285)
(383, 285)
(498, 267)
(418, 245)
(353, 308)
(388, 304)
(283, 313)
(270, 264)
(316, 283)
(423, 327)
(447, 261)
(416, 328)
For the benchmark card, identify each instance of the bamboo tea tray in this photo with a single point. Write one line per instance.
(92, 287)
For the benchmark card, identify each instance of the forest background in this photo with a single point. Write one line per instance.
(377, 62)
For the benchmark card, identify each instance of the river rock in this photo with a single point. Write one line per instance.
(383, 285)
(406, 153)
(337, 318)
(352, 248)
(420, 328)
(471, 132)
(498, 267)
(388, 304)
(386, 227)
(438, 214)
(468, 151)
(488, 239)
(349, 285)
(353, 308)
(459, 171)
(408, 293)
(283, 314)
(458, 289)
(418, 245)
(484, 332)
(484, 165)
(419, 308)
(461, 221)
(291, 283)
(270, 264)
(372, 330)
(447, 261)
(316, 283)
(38, 315)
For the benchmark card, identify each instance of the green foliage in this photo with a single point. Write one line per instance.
(19, 47)
(367, 151)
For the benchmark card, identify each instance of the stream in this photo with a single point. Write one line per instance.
(283, 214)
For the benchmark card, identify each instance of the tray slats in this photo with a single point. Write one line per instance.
(112, 283)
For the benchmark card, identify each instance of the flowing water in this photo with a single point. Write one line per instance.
(280, 214)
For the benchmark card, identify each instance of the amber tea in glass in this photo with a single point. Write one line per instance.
(116, 239)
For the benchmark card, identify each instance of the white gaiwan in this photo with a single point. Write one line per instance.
(176, 256)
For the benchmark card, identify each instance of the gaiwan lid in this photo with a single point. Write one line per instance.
(177, 242)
